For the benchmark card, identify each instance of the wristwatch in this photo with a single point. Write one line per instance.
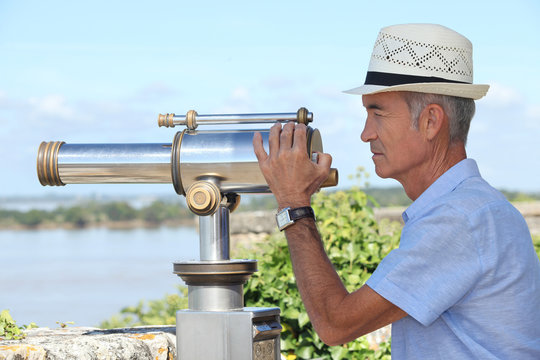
(287, 216)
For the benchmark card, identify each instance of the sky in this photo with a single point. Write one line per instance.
(101, 71)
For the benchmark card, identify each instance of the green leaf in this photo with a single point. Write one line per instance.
(304, 352)
(338, 352)
(303, 319)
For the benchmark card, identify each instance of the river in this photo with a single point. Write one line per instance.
(88, 275)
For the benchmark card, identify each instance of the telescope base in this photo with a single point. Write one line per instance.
(247, 334)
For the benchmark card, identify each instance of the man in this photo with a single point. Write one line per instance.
(465, 280)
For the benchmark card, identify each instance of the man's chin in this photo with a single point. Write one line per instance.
(381, 173)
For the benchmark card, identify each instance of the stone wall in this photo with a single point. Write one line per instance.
(531, 213)
(84, 343)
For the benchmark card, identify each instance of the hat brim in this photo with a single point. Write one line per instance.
(469, 91)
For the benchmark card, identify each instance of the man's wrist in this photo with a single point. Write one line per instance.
(293, 204)
(287, 216)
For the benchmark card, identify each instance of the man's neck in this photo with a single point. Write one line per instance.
(415, 184)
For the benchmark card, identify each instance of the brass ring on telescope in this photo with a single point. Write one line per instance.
(175, 163)
(47, 163)
(302, 116)
(191, 119)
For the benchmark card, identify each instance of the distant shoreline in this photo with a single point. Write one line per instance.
(117, 225)
(241, 222)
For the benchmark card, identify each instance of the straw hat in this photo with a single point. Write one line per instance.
(423, 58)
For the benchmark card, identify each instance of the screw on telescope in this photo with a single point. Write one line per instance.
(203, 198)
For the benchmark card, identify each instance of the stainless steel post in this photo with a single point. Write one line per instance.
(214, 235)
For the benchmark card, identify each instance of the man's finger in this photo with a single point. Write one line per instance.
(300, 138)
(258, 147)
(286, 136)
(273, 139)
(325, 160)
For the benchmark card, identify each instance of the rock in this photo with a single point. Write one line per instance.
(85, 343)
(253, 222)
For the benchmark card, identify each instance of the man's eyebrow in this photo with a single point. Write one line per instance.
(374, 106)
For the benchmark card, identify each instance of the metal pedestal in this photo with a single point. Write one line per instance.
(216, 324)
(247, 334)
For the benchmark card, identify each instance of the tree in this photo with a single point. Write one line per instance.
(31, 218)
(154, 312)
(120, 211)
(78, 216)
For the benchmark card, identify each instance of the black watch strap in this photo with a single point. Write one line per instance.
(301, 212)
(287, 216)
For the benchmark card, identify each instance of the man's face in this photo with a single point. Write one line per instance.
(398, 149)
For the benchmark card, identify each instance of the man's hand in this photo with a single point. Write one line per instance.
(289, 172)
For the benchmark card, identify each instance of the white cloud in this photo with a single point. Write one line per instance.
(240, 94)
(154, 91)
(238, 101)
(276, 83)
(51, 106)
(532, 119)
(500, 96)
(534, 112)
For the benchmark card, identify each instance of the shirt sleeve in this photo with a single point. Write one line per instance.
(435, 266)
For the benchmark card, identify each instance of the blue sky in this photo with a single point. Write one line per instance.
(101, 71)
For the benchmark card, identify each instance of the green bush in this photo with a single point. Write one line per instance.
(119, 211)
(155, 213)
(355, 244)
(79, 216)
(159, 211)
(31, 218)
(536, 243)
(9, 329)
(153, 312)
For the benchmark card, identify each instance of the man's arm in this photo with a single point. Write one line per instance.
(337, 315)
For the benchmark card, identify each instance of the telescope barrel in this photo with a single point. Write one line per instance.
(59, 163)
(225, 156)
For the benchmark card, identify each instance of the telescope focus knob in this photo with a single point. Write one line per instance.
(203, 198)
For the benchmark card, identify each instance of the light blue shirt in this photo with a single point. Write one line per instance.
(465, 272)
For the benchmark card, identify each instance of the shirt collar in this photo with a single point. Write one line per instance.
(446, 183)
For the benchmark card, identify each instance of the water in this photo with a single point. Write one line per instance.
(88, 275)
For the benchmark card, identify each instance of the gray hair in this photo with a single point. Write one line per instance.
(460, 111)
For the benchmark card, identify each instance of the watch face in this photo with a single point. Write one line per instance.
(283, 219)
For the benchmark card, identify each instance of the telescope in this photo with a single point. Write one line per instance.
(210, 168)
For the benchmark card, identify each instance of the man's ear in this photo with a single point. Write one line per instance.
(432, 121)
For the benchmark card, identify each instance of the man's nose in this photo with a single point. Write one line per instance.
(368, 134)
